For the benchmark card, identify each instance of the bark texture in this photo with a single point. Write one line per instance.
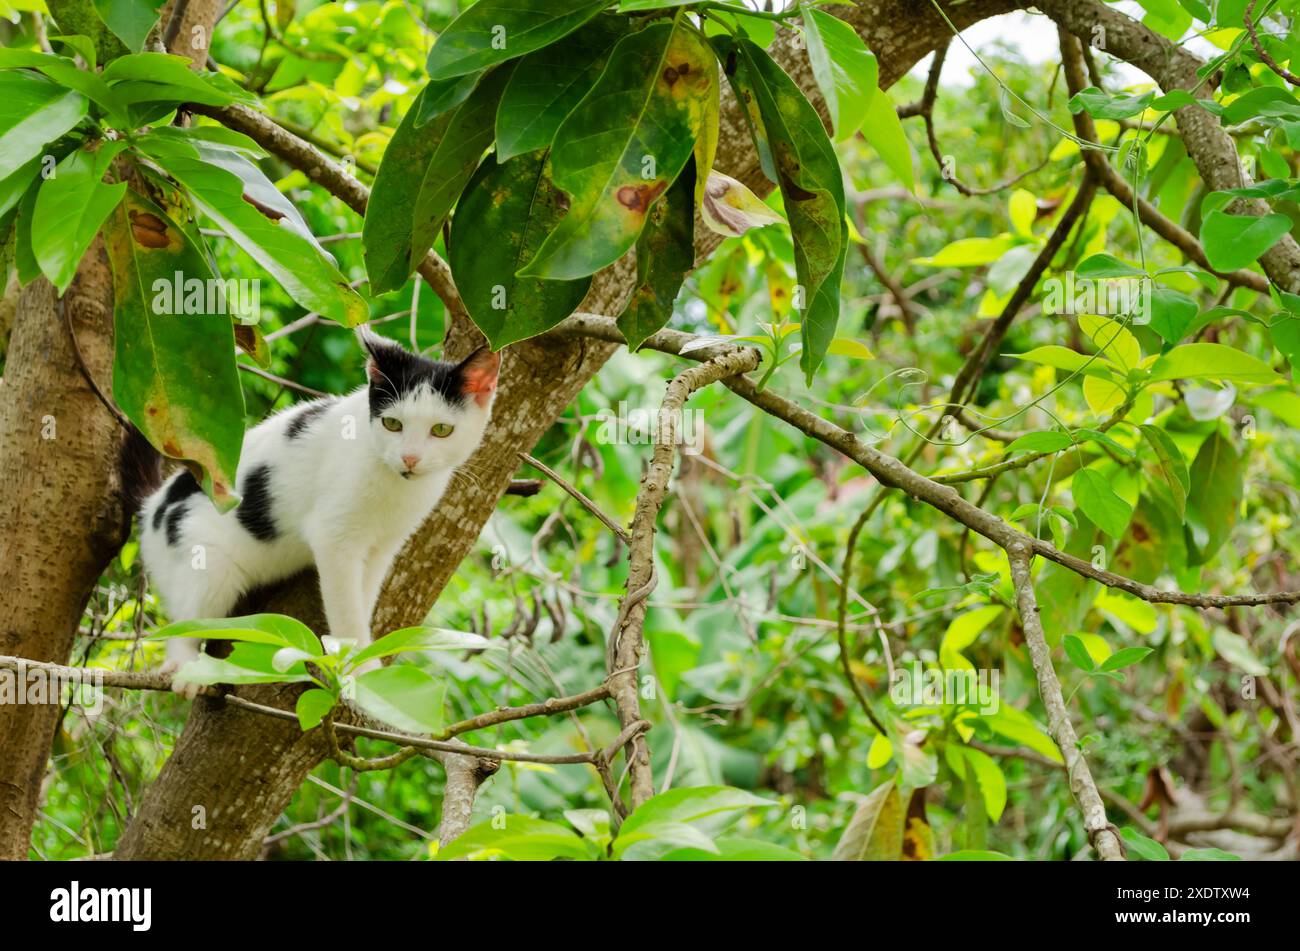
(61, 501)
(60, 505)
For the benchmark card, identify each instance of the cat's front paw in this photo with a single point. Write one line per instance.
(180, 686)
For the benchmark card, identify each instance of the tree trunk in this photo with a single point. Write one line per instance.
(61, 500)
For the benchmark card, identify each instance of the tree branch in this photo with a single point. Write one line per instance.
(1102, 834)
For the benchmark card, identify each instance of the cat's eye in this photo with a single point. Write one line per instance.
(442, 430)
(391, 424)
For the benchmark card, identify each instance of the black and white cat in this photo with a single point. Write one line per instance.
(340, 483)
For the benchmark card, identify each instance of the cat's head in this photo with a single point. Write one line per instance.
(426, 415)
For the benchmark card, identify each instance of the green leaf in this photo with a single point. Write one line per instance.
(1209, 855)
(1098, 501)
(665, 252)
(652, 840)
(1172, 312)
(1019, 727)
(312, 706)
(1141, 848)
(1169, 465)
(66, 73)
(1237, 241)
(422, 639)
(961, 633)
(1078, 653)
(207, 670)
(801, 159)
(1102, 266)
(130, 20)
(1212, 361)
(404, 696)
(422, 175)
(875, 833)
(1214, 497)
(517, 204)
(623, 146)
(688, 804)
(1236, 650)
(492, 31)
(1125, 657)
(519, 838)
(546, 86)
(162, 77)
(884, 131)
(276, 630)
(70, 208)
(290, 255)
(1102, 105)
(173, 374)
(33, 113)
(992, 782)
(845, 70)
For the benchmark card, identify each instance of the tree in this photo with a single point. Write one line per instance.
(608, 127)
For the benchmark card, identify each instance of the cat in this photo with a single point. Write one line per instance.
(339, 483)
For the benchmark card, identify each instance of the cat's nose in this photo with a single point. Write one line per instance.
(411, 462)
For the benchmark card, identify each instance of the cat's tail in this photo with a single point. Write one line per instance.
(141, 468)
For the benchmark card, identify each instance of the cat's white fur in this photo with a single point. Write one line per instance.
(343, 499)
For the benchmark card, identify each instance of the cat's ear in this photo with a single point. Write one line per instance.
(379, 349)
(478, 374)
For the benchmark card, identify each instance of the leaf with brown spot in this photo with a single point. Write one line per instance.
(517, 205)
(797, 154)
(623, 145)
(173, 374)
(875, 833)
(918, 837)
(665, 252)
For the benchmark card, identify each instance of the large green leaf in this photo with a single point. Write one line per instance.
(520, 838)
(547, 84)
(1169, 465)
(65, 72)
(70, 207)
(33, 112)
(689, 804)
(130, 20)
(278, 630)
(1214, 497)
(623, 146)
(1097, 500)
(846, 71)
(403, 695)
(173, 374)
(516, 203)
(290, 255)
(803, 162)
(1236, 241)
(493, 31)
(424, 170)
(665, 252)
(1212, 361)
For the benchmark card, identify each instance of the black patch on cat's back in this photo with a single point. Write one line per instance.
(174, 517)
(309, 414)
(404, 372)
(180, 489)
(254, 511)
